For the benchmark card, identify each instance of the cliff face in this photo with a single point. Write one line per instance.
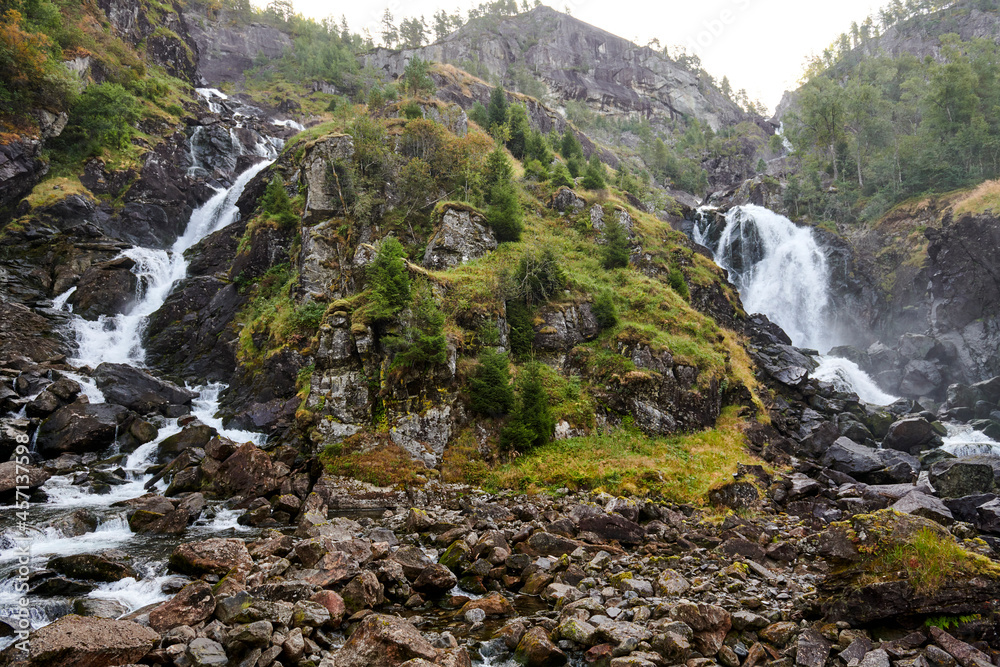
(575, 61)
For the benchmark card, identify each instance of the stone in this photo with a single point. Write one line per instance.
(192, 605)
(911, 434)
(42, 405)
(363, 592)
(11, 471)
(195, 435)
(462, 236)
(956, 478)
(542, 543)
(876, 658)
(779, 634)
(383, 641)
(205, 652)
(670, 582)
(412, 559)
(217, 555)
(927, 506)
(494, 605)
(812, 649)
(76, 641)
(139, 390)
(334, 605)
(99, 608)
(710, 624)
(578, 631)
(613, 527)
(988, 516)
(565, 200)
(79, 428)
(435, 580)
(848, 457)
(257, 633)
(91, 567)
(248, 472)
(967, 656)
(310, 614)
(536, 650)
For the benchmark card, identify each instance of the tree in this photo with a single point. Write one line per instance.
(413, 32)
(570, 146)
(497, 170)
(504, 213)
(531, 425)
(496, 111)
(442, 25)
(822, 117)
(489, 389)
(537, 277)
(416, 77)
(478, 115)
(389, 279)
(520, 129)
(423, 344)
(560, 176)
(389, 33)
(276, 204)
(616, 252)
(593, 177)
(107, 112)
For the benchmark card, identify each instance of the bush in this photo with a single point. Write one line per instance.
(615, 252)
(570, 146)
(522, 332)
(677, 283)
(490, 390)
(532, 424)
(478, 115)
(593, 178)
(576, 166)
(422, 345)
(307, 317)
(411, 110)
(533, 169)
(105, 114)
(389, 280)
(604, 310)
(538, 276)
(560, 176)
(504, 213)
(416, 78)
(276, 205)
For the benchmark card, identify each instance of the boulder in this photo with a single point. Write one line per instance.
(91, 567)
(613, 527)
(383, 641)
(912, 434)
(710, 623)
(108, 288)
(248, 472)
(412, 559)
(217, 556)
(138, 390)
(363, 592)
(43, 405)
(435, 580)
(205, 652)
(955, 478)
(812, 649)
(192, 605)
(918, 503)
(11, 471)
(80, 428)
(77, 641)
(536, 650)
(565, 200)
(192, 435)
(462, 236)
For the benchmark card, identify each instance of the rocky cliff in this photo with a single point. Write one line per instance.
(575, 61)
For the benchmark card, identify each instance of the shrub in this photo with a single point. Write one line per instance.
(593, 177)
(478, 115)
(533, 169)
(411, 110)
(416, 78)
(389, 280)
(604, 310)
(677, 283)
(504, 213)
(276, 205)
(615, 252)
(307, 317)
(107, 113)
(532, 424)
(576, 166)
(570, 146)
(560, 176)
(538, 276)
(423, 344)
(522, 333)
(490, 390)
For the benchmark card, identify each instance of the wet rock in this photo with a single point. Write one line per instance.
(138, 390)
(108, 288)
(99, 608)
(536, 650)
(42, 405)
(80, 428)
(435, 580)
(192, 605)
(412, 559)
(989, 517)
(91, 567)
(849, 457)
(75, 641)
(461, 237)
(11, 471)
(493, 605)
(248, 472)
(194, 435)
(383, 641)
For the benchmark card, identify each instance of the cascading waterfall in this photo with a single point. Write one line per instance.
(781, 271)
(119, 339)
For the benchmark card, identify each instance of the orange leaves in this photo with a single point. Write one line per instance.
(23, 54)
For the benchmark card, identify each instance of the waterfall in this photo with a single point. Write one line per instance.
(847, 376)
(779, 269)
(119, 338)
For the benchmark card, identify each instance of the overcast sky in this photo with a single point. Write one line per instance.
(760, 45)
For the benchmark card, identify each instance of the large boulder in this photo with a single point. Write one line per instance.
(108, 288)
(217, 555)
(80, 428)
(383, 641)
(75, 641)
(14, 475)
(137, 390)
(847, 456)
(462, 237)
(248, 472)
(879, 575)
(913, 435)
(956, 478)
(192, 605)
(565, 200)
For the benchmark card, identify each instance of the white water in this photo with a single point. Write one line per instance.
(779, 269)
(963, 440)
(59, 302)
(847, 376)
(118, 339)
(210, 95)
(289, 123)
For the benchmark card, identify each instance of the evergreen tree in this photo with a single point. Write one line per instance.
(496, 111)
(570, 146)
(522, 333)
(560, 176)
(489, 389)
(504, 213)
(416, 77)
(497, 171)
(615, 252)
(520, 129)
(478, 115)
(276, 204)
(531, 425)
(389, 280)
(389, 33)
(593, 177)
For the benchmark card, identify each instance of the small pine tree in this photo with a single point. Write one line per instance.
(276, 204)
(504, 213)
(522, 333)
(389, 280)
(497, 171)
(593, 178)
(560, 176)
(531, 425)
(416, 77)
(478, 115)
(576, 165)
(496, 112)
(570, 146)
(615, 252)
(489, 389)
(423, 344)
(604, 311)
(677, 283)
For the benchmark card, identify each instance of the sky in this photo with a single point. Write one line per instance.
(761, 45)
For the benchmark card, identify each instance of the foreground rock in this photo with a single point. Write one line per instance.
(383, 641)
(75, 641)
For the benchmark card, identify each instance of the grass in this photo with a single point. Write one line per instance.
(382, 463)
(928, 560)
(984, 198)
(682, 468)
(52, 190)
